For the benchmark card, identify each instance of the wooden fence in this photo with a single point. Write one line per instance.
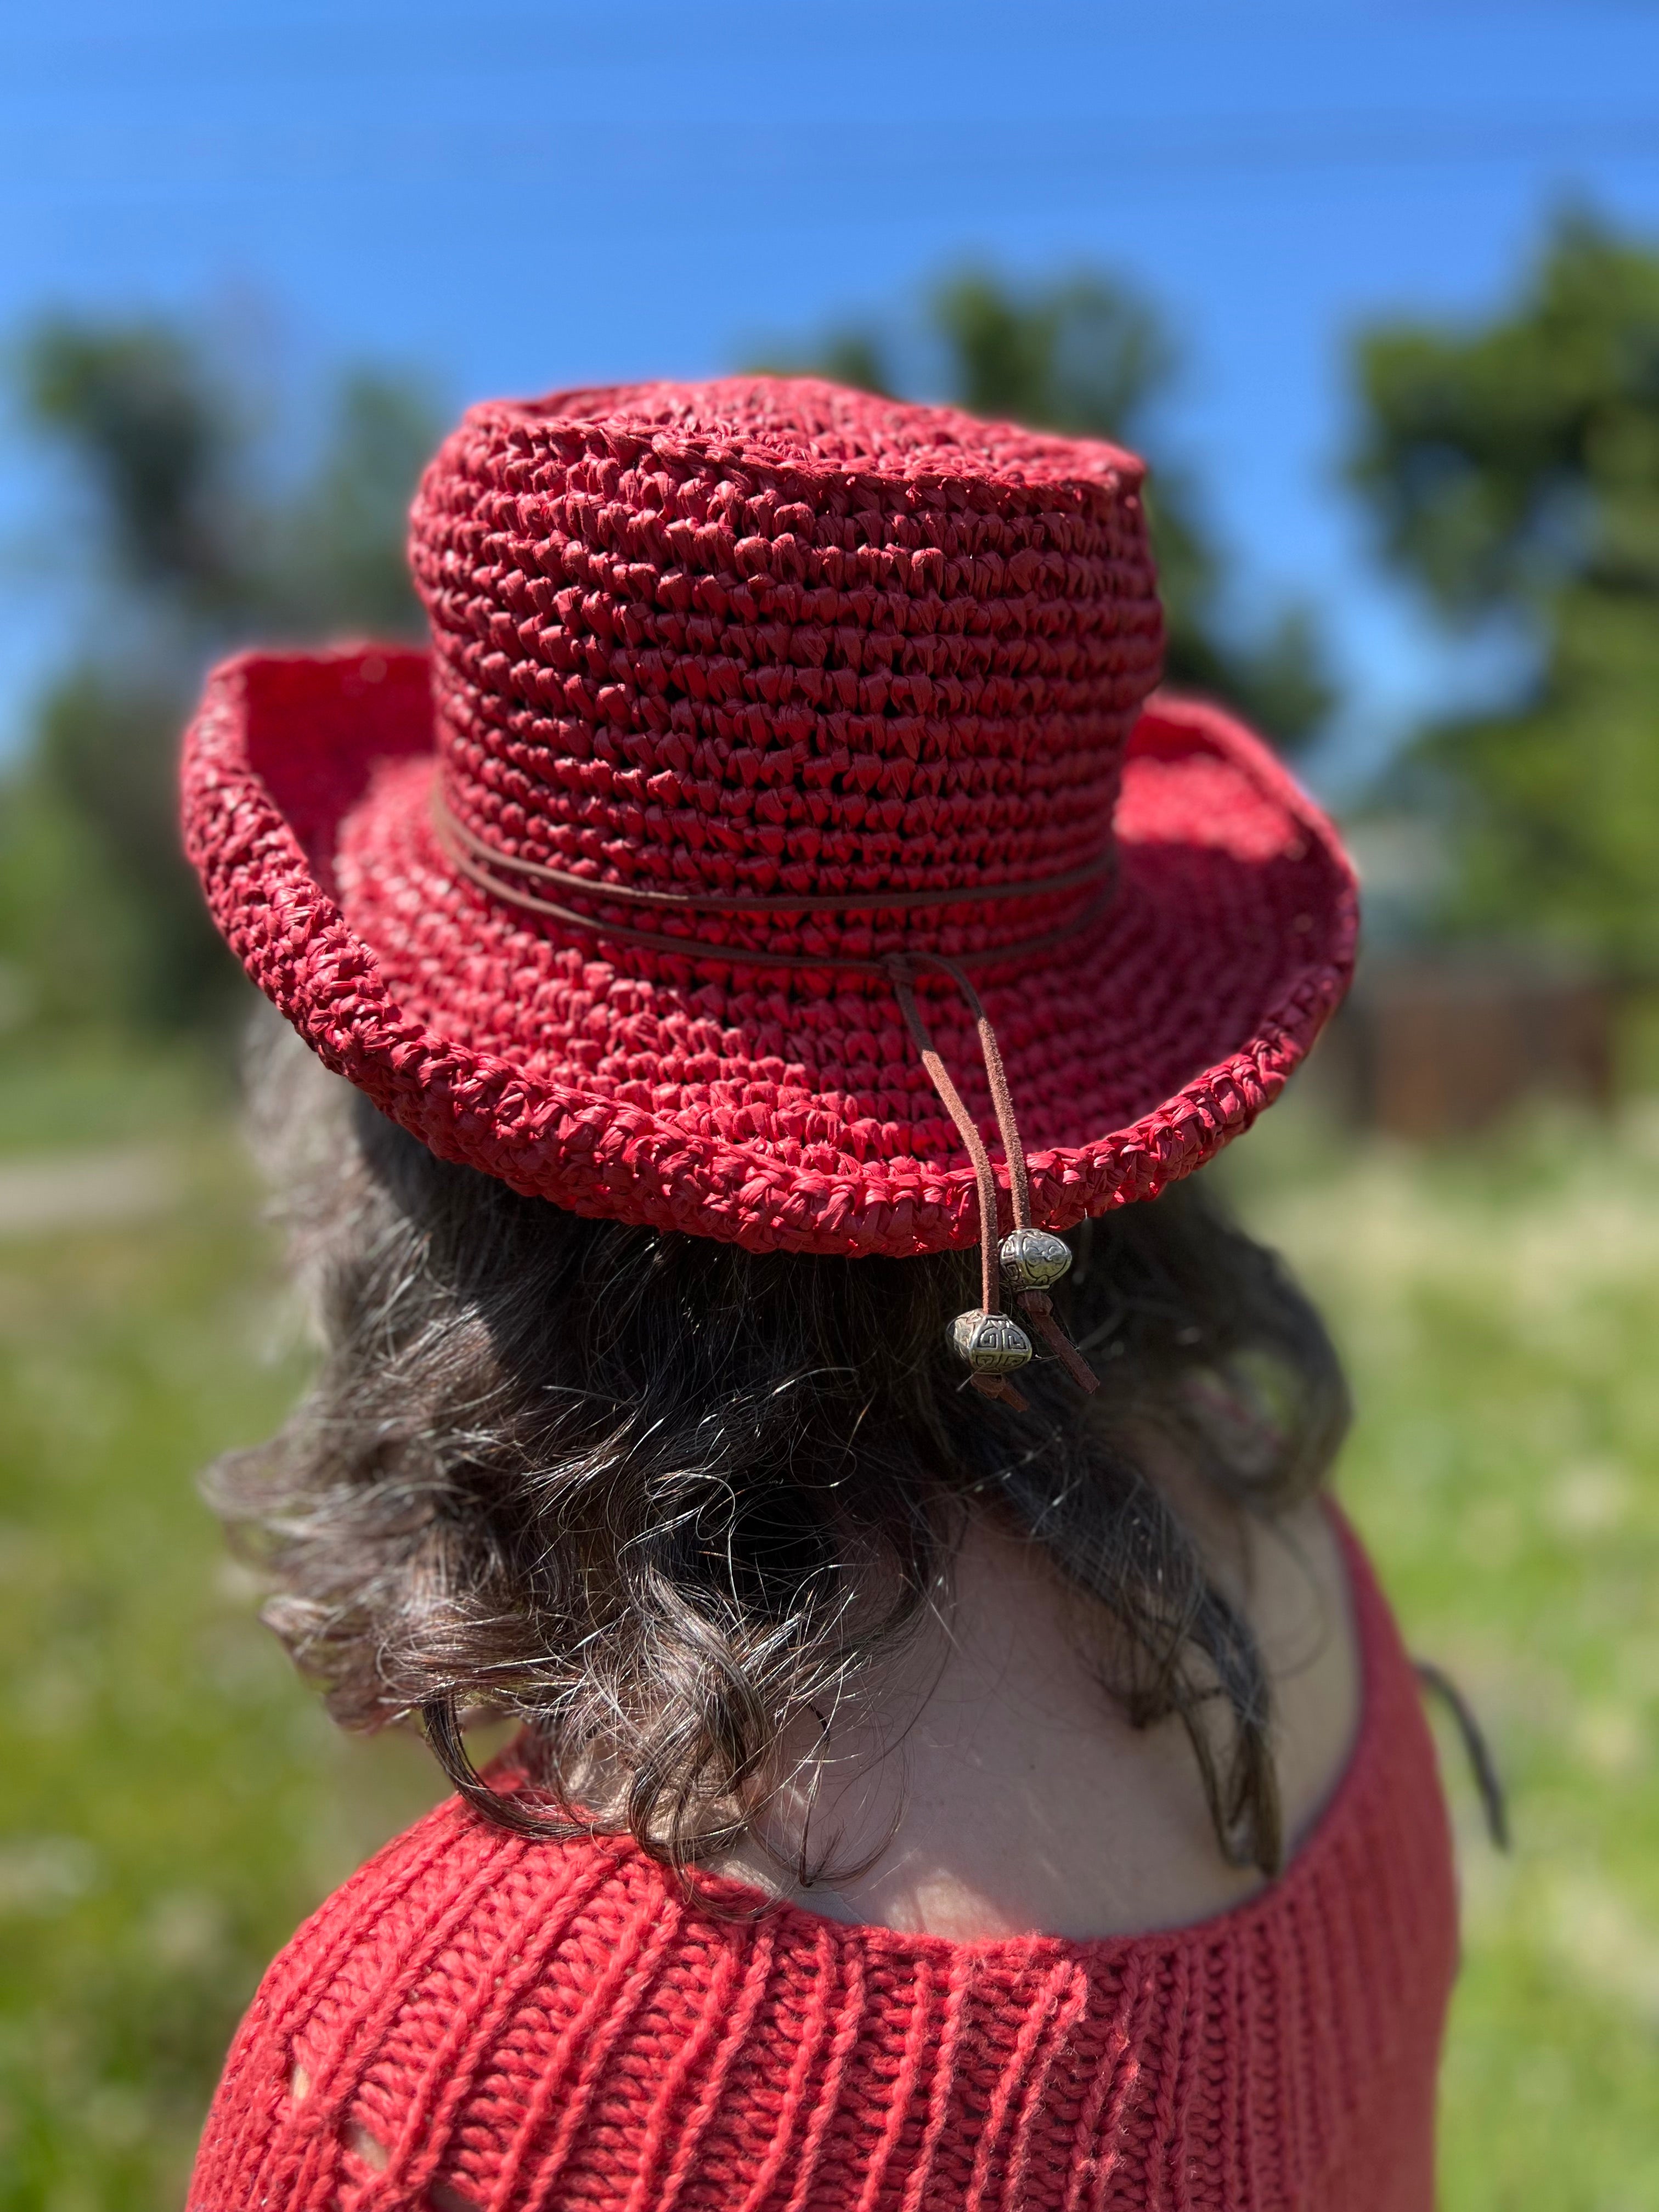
(1427, 1048)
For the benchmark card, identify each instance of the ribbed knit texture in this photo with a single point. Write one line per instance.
(538, 2026)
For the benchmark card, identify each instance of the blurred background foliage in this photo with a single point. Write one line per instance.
(1512, 471)
(170, 1802)
(193, 551)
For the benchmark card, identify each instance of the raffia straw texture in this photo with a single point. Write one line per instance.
(764, 638)
(534, 2026)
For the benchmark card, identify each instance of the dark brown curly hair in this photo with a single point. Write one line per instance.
(656, 1497)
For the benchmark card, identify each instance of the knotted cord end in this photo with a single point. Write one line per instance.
(1038, 1308)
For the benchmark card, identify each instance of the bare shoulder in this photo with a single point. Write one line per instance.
(995, 1790)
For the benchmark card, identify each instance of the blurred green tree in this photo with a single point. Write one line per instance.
(193, 552)
(1513, 472)
(1089, 356)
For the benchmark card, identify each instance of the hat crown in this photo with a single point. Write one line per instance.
(768, 638)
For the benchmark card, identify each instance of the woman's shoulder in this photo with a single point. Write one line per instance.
(425, 1925)
(440, 1902)
(477, 2016)
(456, 1933)
(998, 1788)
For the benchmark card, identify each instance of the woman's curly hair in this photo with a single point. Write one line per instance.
(656, 1497)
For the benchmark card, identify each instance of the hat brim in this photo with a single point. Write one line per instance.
(769, 1107)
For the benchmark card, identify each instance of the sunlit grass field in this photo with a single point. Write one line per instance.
(171, 1804)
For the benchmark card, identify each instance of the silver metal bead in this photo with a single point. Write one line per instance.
(1032, 1259)
(990, 1343)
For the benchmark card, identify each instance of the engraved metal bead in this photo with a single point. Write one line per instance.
(990, 1343)
(1032, 1259)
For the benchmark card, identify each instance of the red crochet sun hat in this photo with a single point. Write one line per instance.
(779, 751)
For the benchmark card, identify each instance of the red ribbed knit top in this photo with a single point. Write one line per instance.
(526, 2025)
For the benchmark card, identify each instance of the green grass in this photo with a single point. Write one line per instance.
(1499, 1312)
(171, 1803)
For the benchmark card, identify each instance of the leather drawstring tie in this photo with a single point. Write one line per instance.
(526, 884)
(1024, 1263)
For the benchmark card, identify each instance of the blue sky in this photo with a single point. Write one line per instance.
(507, 197)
